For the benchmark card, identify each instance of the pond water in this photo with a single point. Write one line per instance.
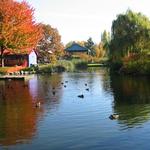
(66, 122)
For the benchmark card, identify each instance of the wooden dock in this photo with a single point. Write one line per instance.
(16, 77)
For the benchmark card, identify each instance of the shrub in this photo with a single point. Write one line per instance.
(68, 65)
(137, 66)
(45, 69)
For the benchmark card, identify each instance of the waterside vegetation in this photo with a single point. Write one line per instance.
(129, 48)
(126, 50)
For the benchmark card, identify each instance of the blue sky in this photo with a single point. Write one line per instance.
(81, 19)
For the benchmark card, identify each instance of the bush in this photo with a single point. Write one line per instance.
(137, 66)
(45, 69)
(68, 65)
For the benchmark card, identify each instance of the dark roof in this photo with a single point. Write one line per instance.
(76, 48)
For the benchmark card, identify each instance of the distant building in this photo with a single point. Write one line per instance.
(28, 58)
(76, 49)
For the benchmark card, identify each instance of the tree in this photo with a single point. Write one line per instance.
(105, 41)
(18, 30)
(69, 44)
(50, 45)
(90, 45)
(130, 34)
(99, 50)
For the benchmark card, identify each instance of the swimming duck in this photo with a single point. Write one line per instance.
(81, 96)
(53, 92)
(38, 104)
(87, 89)
(114, 116)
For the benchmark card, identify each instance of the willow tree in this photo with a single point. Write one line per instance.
(130, 34)
(18, 30)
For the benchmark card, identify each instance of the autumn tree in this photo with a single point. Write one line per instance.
(18, 30)
(50, 46)
(99, 50)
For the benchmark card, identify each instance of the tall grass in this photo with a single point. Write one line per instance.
(62, 65)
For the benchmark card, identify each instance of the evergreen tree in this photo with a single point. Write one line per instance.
(90, 45)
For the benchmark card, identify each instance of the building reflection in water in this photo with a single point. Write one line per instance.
(18, 115)
(131, 100)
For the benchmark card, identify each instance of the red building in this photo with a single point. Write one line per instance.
(28, 58)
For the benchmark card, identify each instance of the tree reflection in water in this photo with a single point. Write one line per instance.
(131, 100)
(18, 115)
(19, 118)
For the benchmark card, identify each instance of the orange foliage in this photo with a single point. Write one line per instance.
(18, 28)
(14, 69)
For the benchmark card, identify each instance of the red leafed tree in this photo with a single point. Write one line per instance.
(18, 30)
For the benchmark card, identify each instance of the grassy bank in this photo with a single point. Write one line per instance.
(59, 66)
(69, 65)
(63, 65)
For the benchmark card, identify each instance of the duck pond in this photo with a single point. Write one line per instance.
(73, 112)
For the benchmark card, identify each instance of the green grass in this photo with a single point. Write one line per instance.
(62, 65)
(45, 68)
(95, 65)
(68, 65)
(72, 65)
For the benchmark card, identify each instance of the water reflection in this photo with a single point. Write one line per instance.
(44, 87)
(18, 115)
(65, 121)
(131, 100)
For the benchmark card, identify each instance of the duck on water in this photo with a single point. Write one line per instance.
(114, 116)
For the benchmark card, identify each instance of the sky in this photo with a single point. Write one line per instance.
(77, 20)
